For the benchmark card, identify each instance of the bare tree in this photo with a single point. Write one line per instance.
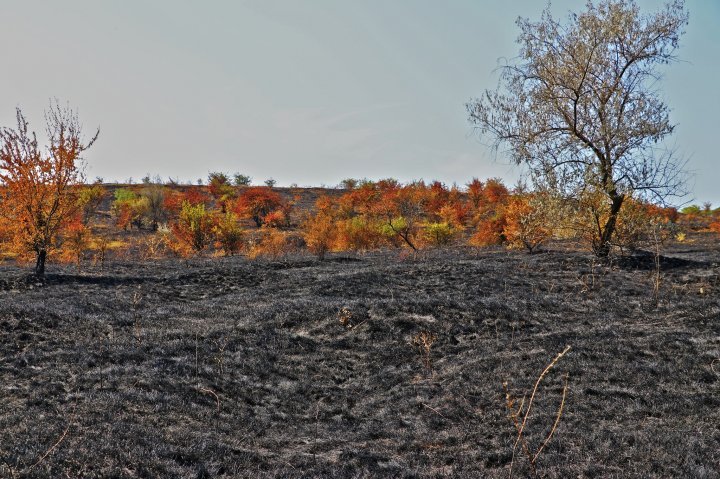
(580, 105)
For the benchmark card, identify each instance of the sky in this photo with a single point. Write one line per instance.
(305, 92)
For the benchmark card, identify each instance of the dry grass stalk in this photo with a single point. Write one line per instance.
(212, 393)
(57, 443)
(517, 412)
(137, 298)
(424, 341)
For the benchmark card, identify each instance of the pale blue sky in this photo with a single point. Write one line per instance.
(306, 92)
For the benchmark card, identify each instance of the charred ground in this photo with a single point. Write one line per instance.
(233, 368)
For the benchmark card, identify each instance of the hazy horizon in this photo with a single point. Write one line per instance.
(307, 93)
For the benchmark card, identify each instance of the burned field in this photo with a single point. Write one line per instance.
(302, 368)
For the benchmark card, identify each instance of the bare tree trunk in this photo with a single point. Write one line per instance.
(40, 263)
(602, 249)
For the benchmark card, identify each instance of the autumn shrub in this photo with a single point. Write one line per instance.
(273, 243)
(486, 207)
(228, 233)
(173, 201)
(129, 208)
(455, 213)
(439, 234)
(639, 223)
(400, 211)
(715, 227)
(76, 240)
(394, 230)
(320, 230)
(257, 203)
(193, 229)
(437, 196)
(154, 212)
(489, 231)
(221, 189)
(358, 234)
(39, 185)
(474, 192)
(528, 220)
(89, 199)
(277, 219)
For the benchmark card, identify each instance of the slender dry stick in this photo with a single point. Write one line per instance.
(137, 297)
(514, 414)
(656, 283)
(557, 420)
(433, 410)
(317, 428)
(57, 443)
(521, 427)
(534, 391)
(211, 392)
(196, 354)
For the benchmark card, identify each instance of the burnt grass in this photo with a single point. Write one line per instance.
(238, 368)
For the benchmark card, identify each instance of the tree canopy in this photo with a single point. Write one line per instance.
(580, 105)
(40, 186)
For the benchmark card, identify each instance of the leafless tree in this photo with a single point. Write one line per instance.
(580, 105)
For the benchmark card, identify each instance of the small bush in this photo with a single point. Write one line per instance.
(439, 234)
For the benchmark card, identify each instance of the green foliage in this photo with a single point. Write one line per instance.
(389, 230)
(241, 180)
(123, 195)
(439, 234)
(154, 211)
(691, 210)
(228, 233)
(89, 199)
(349, 184)
(194, 226)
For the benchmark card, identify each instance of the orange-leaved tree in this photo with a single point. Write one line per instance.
(401, 210)
(40, 185)
(488, 203)
(221, 189)
(320, 230)
(527, 220)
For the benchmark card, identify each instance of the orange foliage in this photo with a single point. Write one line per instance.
(400, 211)
(320, 231)
(358, 234)
(475, 193)
(495, 191)
(526, 222)
(489, 232)
(77, 238)
(221, 189)
(487, 204)
(39, 195)
(273, 244)
(258, 202)
(173, 202)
